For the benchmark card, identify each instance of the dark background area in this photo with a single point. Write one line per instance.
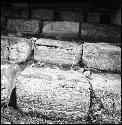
(110, 4)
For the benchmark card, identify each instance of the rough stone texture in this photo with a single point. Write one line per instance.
(55, 51)
(100, 32)
(9, 72)
(60, 29)
(71, 16)
(23, 26)
(102, 56)
(20, 49)
(43, 14)
(108, 88)
(93, 17)
(4, 49)
(53, 92)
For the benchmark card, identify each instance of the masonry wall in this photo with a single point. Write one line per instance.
(58, 30)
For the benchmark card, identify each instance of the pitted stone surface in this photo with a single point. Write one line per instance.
(56, 51)
(102, 56)
(45, 90)
(9, 72)
(108, 88)
(20, 49)
(23, 26)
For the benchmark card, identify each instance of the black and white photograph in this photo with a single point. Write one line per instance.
(61, 62)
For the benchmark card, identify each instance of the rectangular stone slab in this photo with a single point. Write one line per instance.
(55, 51)
(53, 92)
(61, 29)
(102, 56)
(42, 14)
(23, 26)
(100, 32)
(71, 16)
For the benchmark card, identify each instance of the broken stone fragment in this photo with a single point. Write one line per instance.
(20, 49)
(9, 72)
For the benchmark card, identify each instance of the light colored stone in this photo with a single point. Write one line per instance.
(53, 92)
(55, 51)
(60, 29)
(102, 56)
(108, 88)
(20, 49)
(23, 26)
(43, 14)
(9, 72)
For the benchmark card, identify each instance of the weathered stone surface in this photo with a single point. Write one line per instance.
(102, 56)
(20, 49)
(93, 17)
(53, 92)
(108, 88)
(60, 29)
(4, 49)
(23, 26)
(71, 16)
(43, 14)
(9, 72)
(55, 51)
(100, 32)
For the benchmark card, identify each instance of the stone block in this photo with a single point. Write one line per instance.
(100, 32)
(60, 29)
(71, 16)
(102, 56)
(56, 51)
(20, 49)
(42, 14)
(53, 92)
(23, 26)
(108, 88)
(93, 17)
